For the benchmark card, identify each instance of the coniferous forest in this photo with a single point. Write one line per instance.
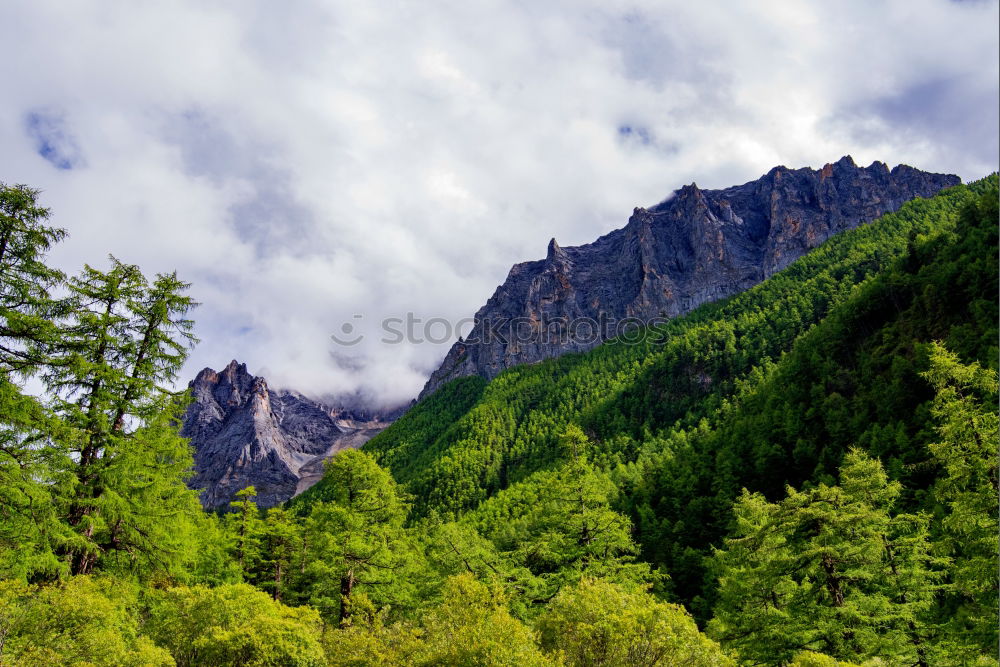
(802, 474)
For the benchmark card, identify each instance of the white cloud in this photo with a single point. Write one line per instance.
(303, 163)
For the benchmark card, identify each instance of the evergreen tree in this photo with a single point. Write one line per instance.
(279, 546)
(559, 527)
(244, 524)
(454, 548)
(575, 531)
(32, 474)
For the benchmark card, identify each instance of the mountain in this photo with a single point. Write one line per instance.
(472, 439)
(768, 388)
(695, 247)
(244, 433)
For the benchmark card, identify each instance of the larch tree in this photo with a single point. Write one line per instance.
(574, 531)
(965, 408)
(28, 308)
(245, 524)
(356, 536)
(123, 344)
(828, 569)
(30, 532)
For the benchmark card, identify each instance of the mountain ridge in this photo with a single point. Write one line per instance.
(694, 247)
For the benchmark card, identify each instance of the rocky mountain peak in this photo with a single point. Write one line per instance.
(554, 252)
(695, 246)
(244, 433)
(235, 373)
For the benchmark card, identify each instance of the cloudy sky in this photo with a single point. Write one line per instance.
(313, 163)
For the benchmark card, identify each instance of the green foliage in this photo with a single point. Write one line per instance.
(456, 548)
(32, 475)
(124, 342)
(770, 387)
(828, 569)
(813, 659)
(205, 553)
(27, 307)
(599, 623)
(411, 438)
(85, 621)
(355, 536)
(965, 411)
(233, 625)
(30, 531)
(471, 626)
(92, 474)
(533, 519)
(851, 380)
(245, 526)
(281, 542)
(561, 526)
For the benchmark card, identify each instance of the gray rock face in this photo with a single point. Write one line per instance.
(244, 433)
(697, 246)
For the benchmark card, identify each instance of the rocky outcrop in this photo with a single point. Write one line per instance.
(243, 433)
(697, 246)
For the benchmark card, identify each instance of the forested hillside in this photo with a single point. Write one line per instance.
(809, 468)
(641, 398)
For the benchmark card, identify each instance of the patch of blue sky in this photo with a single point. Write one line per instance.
(53, 141)
(635, 133)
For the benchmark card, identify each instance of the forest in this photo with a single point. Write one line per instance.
(802, 474)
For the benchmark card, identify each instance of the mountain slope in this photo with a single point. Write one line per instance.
(626, 394)
(244, 433)
(765, 389)
(853, 380)
(698, 246)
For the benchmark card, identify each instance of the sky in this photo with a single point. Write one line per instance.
(313, 168)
